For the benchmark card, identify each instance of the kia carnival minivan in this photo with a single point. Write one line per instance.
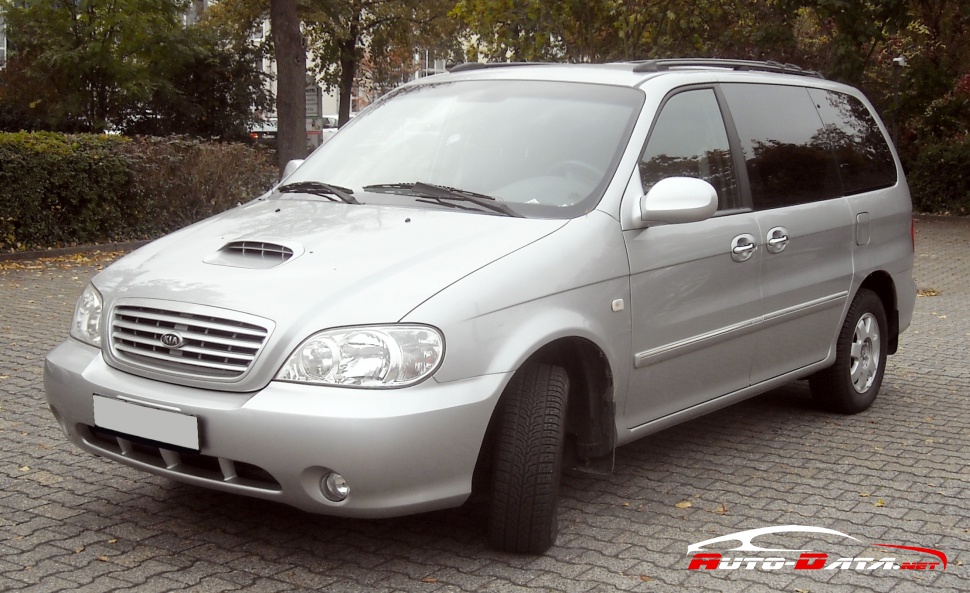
(499, 273)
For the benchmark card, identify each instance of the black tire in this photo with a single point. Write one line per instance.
(851, 384)
(523, 518)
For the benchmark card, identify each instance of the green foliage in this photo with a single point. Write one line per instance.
(213, 88)
(609, 30)
(83, 61)
(60, 190)
(940, 178)
(92, 65)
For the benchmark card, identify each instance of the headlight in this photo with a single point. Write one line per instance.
(369, 356)
(86, 325)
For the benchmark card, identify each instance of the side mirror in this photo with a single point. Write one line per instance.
(291, 166)
(678, 200)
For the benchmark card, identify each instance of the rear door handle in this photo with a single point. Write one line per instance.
(777, 240)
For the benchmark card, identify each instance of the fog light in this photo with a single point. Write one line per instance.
(334, 487)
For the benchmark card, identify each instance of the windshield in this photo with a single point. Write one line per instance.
(544, 149)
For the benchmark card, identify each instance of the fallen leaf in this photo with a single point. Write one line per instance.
(112, 541)
(684, 504)
(79, 549)
(880, 503)
(864, 494)
(721, 510)
(645, 578)
(103, 558)
(429, 580)
(25, 468)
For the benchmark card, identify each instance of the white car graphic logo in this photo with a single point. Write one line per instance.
(745, 538)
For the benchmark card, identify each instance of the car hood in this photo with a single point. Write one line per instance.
(351, 264)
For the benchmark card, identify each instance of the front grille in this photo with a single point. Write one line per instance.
(184, 343)
(260, 249)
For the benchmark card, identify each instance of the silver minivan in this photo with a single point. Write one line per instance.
(499, 273)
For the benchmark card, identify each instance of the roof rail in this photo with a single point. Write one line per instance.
(467, 66)
(740, 65)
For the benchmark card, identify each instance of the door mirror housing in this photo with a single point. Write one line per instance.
(677, 200)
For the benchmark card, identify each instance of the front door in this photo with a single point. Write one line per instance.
(695, 290)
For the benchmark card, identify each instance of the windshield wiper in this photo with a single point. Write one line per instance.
(319, 188)
(442, 194)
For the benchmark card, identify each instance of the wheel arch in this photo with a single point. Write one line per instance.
(882, 284)
(591, 407)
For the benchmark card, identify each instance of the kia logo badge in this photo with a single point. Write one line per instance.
(172, 340)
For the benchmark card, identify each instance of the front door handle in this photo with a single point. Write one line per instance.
(777, 240)
(743, 247)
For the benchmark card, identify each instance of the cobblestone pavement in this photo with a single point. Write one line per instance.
(896, 474)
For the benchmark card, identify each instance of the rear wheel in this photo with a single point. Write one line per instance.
(850, 385)
(528, 460)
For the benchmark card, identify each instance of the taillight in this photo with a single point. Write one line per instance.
(254, 135)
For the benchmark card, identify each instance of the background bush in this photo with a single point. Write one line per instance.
(939, 178)
(180, 180)
(58, 190)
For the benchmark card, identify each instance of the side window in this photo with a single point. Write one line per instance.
(786, 150)
(865, 159)
(689, 140)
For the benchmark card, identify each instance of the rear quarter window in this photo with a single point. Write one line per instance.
(861, 150)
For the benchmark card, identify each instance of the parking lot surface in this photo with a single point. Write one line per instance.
(896, 474)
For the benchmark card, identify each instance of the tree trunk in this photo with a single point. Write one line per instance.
(290, 81)
(348, 69)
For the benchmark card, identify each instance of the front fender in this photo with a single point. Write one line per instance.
(571, 283)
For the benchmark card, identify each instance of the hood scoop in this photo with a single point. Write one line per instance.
(253, 254)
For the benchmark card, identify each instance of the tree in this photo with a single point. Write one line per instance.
(848, 34)
(342, 33)
(99, 55)
(215, 86)
(291, 82)
(610, 30)
(126, 64)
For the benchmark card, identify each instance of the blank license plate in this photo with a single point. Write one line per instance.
(162, 426)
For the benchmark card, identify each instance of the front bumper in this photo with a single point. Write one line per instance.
(401, 451)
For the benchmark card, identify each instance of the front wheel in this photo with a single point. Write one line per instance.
(528, 460)
(850, 385)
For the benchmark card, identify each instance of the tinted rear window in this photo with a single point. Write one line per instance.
(786, 150)
(865, 159)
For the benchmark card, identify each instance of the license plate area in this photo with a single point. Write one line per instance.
(155, 425)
